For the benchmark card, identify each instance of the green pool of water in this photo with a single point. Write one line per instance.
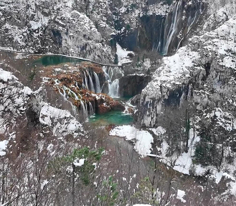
(55, 59)
(114, 117)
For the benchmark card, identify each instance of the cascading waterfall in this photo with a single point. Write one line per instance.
(67, 92)
(90, 82)
(71, 93)
(85, 80)
(91, 110)
(111, 75)
(97, 83)
(84, 110)
(173, 27)
(114, 88)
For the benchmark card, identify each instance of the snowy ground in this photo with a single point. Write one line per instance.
(142, 139)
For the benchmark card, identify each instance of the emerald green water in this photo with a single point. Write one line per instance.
(114, 117)
(56, 59)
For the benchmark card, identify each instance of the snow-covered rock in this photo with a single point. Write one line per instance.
(142, 139)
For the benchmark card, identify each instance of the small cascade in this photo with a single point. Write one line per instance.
(74, 110)
(62, 94)
(91, 82)
(91, 110)
(97, 83)
(114, 88)
(85, 112)
(67, 92)
(112, 75)
(173, 27)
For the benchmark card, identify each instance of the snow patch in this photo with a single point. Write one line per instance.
(142, 139)
(158, 131)
(79, 162)
(3, 146)
(180, 195)
(61, 120)
(6, 76)
(183, 163)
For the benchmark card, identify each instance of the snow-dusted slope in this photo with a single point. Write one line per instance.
(51, 26)
(216, 47)
(192, 95)
(20, 107)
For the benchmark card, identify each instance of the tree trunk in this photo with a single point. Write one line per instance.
(73, 185)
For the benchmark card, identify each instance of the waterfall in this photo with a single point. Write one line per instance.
(173, 27)
(74, 109)
(67, 92)
(191, 21)
(114, 88)
(112, 75)
(70, 93)
(85, 81)
(97, 83)
(62, 94)
(91, 111)
(85, 113)
(90, 82)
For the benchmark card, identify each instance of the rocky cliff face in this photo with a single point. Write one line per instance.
(192, 95)
(182, 65)
(90, 29)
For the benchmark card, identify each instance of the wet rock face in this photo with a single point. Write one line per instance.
(150, 38)
(164, 33)
(132, 85)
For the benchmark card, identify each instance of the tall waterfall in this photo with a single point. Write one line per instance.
(97, 83)
(176, 26)
(90, 82)
(173, 27)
